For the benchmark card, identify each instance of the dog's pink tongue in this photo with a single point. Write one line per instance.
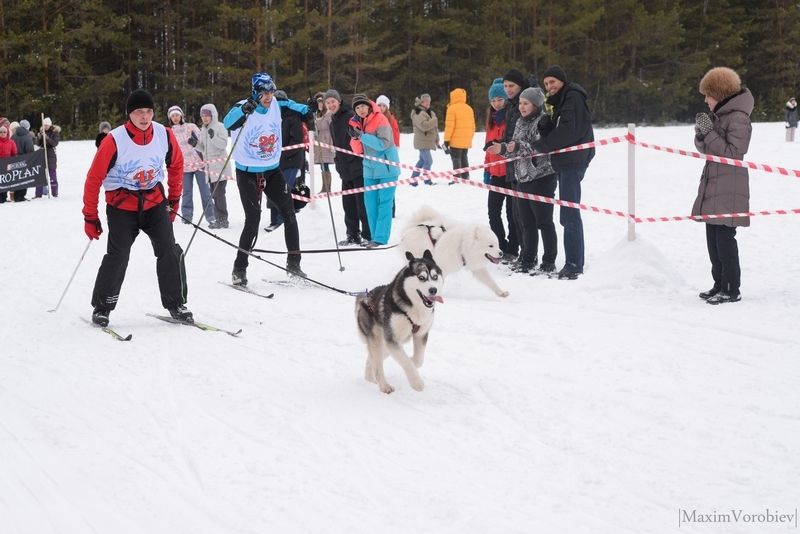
(437, 298)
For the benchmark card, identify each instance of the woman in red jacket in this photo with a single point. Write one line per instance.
(8, 148)
(496, 174)
(384, 104)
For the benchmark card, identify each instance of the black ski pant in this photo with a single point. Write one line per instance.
(272, 184)
(537, 217)
(495, 203)
(123, 227)
(724, 254)
(459, 158)
(355, 214)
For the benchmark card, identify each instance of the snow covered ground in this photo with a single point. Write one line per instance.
(602, 405)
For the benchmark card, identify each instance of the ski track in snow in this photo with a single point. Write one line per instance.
(604, 404)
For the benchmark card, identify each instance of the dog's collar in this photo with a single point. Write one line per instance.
(414, 327)
(431, 227)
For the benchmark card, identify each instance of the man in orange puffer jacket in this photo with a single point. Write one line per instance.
(459, 128)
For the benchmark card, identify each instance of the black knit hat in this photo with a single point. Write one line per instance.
(360, 98)
(139, 99)
(555, 72)
(515, 76)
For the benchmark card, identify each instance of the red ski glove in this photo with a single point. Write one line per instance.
(173, 209)
(93, 228)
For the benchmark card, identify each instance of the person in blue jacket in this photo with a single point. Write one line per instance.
(255, 126)
(371, 135)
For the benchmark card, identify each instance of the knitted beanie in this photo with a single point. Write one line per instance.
(332, 93)
(496, 89)
(25, 124)
(360, 98)
(534, 95)
(174, 109)
(139, 99)
(383, 99)
(515, 76)
(555, 72)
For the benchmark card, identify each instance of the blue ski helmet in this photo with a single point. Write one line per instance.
(262, 83)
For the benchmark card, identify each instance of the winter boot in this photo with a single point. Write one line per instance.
(326, 182)
(569, 272)
(100, 317)
(723, 298)
(293, 266)
(545, 268)
(351, 240)
(272, 227)
(705, 295)
(181, 313)
(239, 277)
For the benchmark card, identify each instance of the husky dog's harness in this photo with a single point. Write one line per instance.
(430, 234)
(367, 303)
(414, 327)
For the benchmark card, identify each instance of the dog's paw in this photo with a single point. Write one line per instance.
(386, 388)
(418, 385)
(502, 293)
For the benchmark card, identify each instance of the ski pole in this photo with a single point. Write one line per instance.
(72, 277)
(335, 239)
(211, 198)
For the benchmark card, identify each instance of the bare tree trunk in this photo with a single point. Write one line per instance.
(328, 43)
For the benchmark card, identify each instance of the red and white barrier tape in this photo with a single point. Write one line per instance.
(718, 159)
(453, 175)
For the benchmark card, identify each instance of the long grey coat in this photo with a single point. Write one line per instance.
(322, 125)
(214, 147)
(725, 188)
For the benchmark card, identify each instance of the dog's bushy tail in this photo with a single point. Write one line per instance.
(426, 215)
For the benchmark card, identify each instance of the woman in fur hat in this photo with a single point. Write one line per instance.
(725, 131)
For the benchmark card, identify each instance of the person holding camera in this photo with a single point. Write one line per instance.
(188, 134)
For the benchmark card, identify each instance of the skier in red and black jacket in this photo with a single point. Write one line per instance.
(129, 164)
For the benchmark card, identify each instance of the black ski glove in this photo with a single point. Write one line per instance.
(210, 133)
(249, 106)
(192, 139)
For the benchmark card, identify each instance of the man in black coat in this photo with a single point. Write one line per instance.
(292, 161)
(570, 124)
(350, 169)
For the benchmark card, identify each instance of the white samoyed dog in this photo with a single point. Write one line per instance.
(455, 245)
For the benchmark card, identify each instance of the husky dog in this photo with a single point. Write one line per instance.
(455, 245)
(391, 314)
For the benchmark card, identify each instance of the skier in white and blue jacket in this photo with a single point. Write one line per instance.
(255, 125)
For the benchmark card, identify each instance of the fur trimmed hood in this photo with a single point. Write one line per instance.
(720, 83)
